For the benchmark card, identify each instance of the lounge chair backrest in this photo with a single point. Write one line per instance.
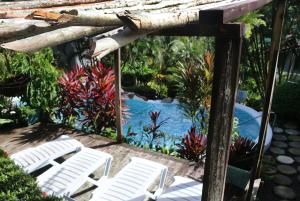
(183, 189)
(34, 158)
(131, 182)
(65, 179)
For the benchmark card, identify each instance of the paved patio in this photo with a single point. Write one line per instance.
(281, 166)
(21, 138)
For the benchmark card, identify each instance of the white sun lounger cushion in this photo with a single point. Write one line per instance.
(132, 182)
(32, 159)
(65, 179)
(183, 189)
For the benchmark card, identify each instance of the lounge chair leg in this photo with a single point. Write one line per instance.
(107, 167)
(68, 198)
(160, 189)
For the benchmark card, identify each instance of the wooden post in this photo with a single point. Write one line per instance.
(273, 61)
(117, 59)
(225, 82)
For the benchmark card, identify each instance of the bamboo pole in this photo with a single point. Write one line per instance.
(53, 38)
(273, 62)
(104, 46)
(76, 19)
(13, 29)
(22, 5)
(117, 60)
(185, 14)
(113, 7)
(150, 21)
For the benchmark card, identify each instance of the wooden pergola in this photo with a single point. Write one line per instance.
(69, 21)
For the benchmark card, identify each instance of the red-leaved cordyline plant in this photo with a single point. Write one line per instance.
(89, 96)
(192, 146)
(152, 131)
(241, 152)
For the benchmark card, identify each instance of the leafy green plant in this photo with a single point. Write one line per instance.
(26, 113)
(161, 90)
(7, 70)
(286, 101)
(16, 185)
(109, 133)
(252, 20)
(194, 85)
(145, 91)
(235, 132)
(43, 90)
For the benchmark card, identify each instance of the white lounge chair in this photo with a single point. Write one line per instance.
(32, 159)
(132, 182)
(64, 179)
(183, 189)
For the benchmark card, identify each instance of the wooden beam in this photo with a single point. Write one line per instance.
(225, 30)
(23, 5)
(117, 59)
(225, 83)
(53, 38)
(225, 14)
(273, 61)
(118, 39)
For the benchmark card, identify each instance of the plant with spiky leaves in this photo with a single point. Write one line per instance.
(241, 152)
(192, 146)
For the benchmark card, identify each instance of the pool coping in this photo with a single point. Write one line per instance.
(257, 116)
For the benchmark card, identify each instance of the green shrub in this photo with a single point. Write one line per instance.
(286, 101)
(15, 185)
(128, 79)
(146, 91)
(42, 91)
(161, 90)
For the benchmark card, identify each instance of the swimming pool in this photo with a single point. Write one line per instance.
(178, 124)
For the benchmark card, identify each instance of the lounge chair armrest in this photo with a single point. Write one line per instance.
(97, 182)
(155, 195)
(53, 162)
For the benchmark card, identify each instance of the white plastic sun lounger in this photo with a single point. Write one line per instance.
(132, 182)
(64, 179)
(32, 159)
(183, 189)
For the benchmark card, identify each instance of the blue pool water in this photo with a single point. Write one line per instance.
(178, 124)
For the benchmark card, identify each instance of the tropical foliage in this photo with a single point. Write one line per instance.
(88, 96)
(192, 146)
(151, 134)
(286, 101)
(195, 84)
(16, 185)
(241, 153)
(42, 91)
(150, 63)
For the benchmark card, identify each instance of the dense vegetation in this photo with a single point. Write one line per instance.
(15, 185)
(154, 67)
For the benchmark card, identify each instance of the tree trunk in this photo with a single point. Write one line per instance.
(106, 45)
(53, 38)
